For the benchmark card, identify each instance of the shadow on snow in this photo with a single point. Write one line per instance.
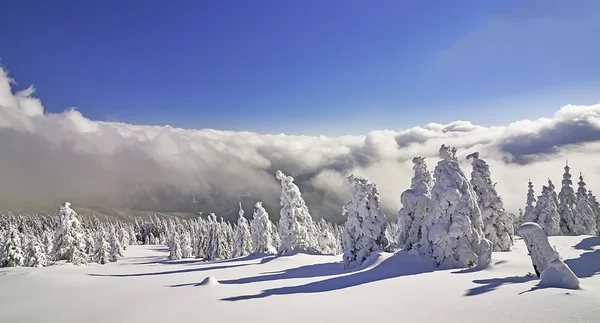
(488, 285)
(588, 263)
(182, 271)
(400, 264)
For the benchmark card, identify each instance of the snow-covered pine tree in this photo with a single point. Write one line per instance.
(48, 242)
(175, 249)
(186, 245)
(415, 206)
(497, 224)
(12, 255)
(566, 203)
(36, 255)
(202, 238)
(546, 211)
(215, 235)
(529, 215)
(327, 239)
(584, 219)
(364, 231)
(226, 239)
(453, 228)
(69, 241)
(261, 229)
(102, 254)
(116, 250)
(596, 208)
(296, 227)
(243, 239)
(90, 244)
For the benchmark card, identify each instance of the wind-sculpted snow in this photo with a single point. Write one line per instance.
(48, 158)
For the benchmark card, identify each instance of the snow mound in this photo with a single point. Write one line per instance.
(209, 281)
(558, 274)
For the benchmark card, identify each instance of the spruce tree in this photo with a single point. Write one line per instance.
(497, 224)
(296, 227)
(364, 232)
(546, 211)
(566, 204)
(452, 230)
(262, 230)
(12, 255)
(415, 206)
(584, 219)
(529, 215)
(243, 239)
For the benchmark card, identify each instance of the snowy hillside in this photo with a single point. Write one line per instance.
(146, 287)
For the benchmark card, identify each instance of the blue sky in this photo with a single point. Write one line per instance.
(305, 67)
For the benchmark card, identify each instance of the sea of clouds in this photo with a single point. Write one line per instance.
(47, 158)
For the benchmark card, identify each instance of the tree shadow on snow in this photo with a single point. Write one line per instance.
(202, 261)
(588, 263)
(400, 264)
(488, 285)
(182, 271)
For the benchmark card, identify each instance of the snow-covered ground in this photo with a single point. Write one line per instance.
(145, 287)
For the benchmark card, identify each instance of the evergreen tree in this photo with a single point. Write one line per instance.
(452, 230)
(36, 255)
(364, 230)
(546, 212)
(262, 231)
(595, 208)
(584, 219)
(102, 254)
(243, 239)
(69, 241)
(529, 215)
(296, 227)
(116, 250)
(566, 204)
(175, 249)
(186, 246)
(497, 224)
(12, 255)
(415, 206)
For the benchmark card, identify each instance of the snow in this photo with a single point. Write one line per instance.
(558, 274)
(146, 287)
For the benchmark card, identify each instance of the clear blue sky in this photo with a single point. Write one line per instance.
(305, 67)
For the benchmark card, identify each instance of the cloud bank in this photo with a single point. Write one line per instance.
(48, 158)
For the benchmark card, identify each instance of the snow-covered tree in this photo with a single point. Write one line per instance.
(453, 228)
(566, 203)
(116, 250)
(262, 231)
(596, 209)
(364, 232)
(69, 241)
(296, 227)
(90, 244)
(539, 248)
(243, 239)
(36, 255)
(546, 211)
(497, 224)
(175, 249)
(186, 245)
(102, 254)
(12, 255)
(48, 242)
(415, 206)
(202, 237)
(529, 215)
(584, 221)
(328, 241)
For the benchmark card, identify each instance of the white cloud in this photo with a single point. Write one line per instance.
(47, 158)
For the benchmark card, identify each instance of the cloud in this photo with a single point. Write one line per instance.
(49, 158)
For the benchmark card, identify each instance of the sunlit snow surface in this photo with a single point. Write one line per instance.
(145, 287)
